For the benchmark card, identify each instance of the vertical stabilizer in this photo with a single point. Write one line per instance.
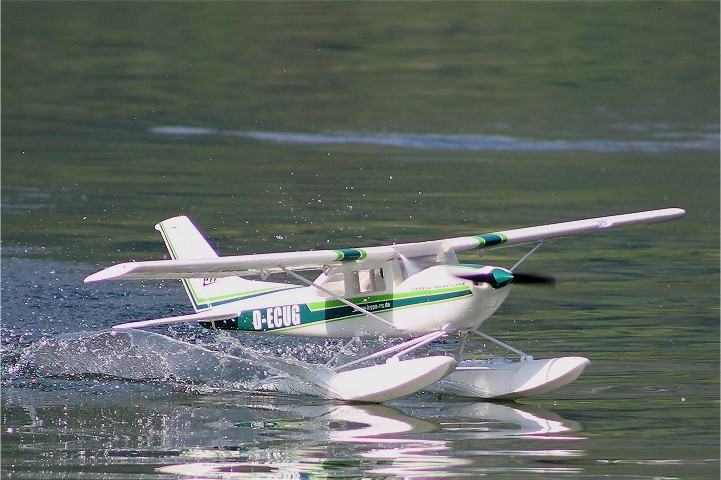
(185, 242)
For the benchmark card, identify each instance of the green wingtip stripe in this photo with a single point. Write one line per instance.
(490, 239)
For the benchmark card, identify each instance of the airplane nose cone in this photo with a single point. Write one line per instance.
(496, 277)
(501, 277)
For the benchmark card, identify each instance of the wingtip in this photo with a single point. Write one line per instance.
(97, 277)
(93, 278)
(671, 213)
(109, 273)
(122, 326)
(679, 212)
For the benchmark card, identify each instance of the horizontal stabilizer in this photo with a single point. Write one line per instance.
(205, 316)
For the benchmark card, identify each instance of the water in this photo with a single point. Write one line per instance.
(486, 143)
(292, 126)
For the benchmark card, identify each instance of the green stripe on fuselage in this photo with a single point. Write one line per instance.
(207, 302)
(290, 317)
(408, 297)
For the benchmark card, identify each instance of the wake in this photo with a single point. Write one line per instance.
(136, 355)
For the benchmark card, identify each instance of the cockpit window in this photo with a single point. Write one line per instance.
(353, 282)
(335, 283)
(368, 280)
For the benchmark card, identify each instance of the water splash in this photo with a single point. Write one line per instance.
(491, 143)
(144, 356)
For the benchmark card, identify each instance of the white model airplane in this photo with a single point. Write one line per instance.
(415, 292)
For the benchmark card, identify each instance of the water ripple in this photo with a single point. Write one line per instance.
(491, 143)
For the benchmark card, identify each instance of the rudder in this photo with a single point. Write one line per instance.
(183, 239)
(185, 242)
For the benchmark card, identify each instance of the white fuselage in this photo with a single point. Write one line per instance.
(430, 300)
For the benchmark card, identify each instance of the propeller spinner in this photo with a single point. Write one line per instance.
(498, 277)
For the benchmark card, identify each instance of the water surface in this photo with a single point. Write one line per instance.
(279, 127)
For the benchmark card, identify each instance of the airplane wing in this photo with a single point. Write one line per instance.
(277, 262)
(217, 267)
(538, 233)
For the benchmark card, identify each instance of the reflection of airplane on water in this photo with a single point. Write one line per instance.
(378, 423)
(267, 436)
(396, 441)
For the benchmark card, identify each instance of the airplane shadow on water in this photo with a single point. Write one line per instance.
(181, 407)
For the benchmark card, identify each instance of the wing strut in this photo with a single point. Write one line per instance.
(354, 306)
(525, 257)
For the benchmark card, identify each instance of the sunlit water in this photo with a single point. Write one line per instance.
(659, 141)
(296, 126)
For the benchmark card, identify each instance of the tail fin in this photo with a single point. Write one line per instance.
(185, 242)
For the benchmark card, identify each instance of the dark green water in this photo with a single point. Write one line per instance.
(324, 124)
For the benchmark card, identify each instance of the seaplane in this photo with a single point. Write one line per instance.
(415, 295)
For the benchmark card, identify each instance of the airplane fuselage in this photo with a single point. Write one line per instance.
(427, 301)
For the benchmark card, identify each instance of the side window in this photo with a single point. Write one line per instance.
(335, 283)
(380, 281)
(368, 281)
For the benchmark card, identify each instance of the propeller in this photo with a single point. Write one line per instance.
(530, 278)
(498, 277)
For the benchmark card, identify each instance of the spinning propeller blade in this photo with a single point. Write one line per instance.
(529, 278)
(498, 277)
